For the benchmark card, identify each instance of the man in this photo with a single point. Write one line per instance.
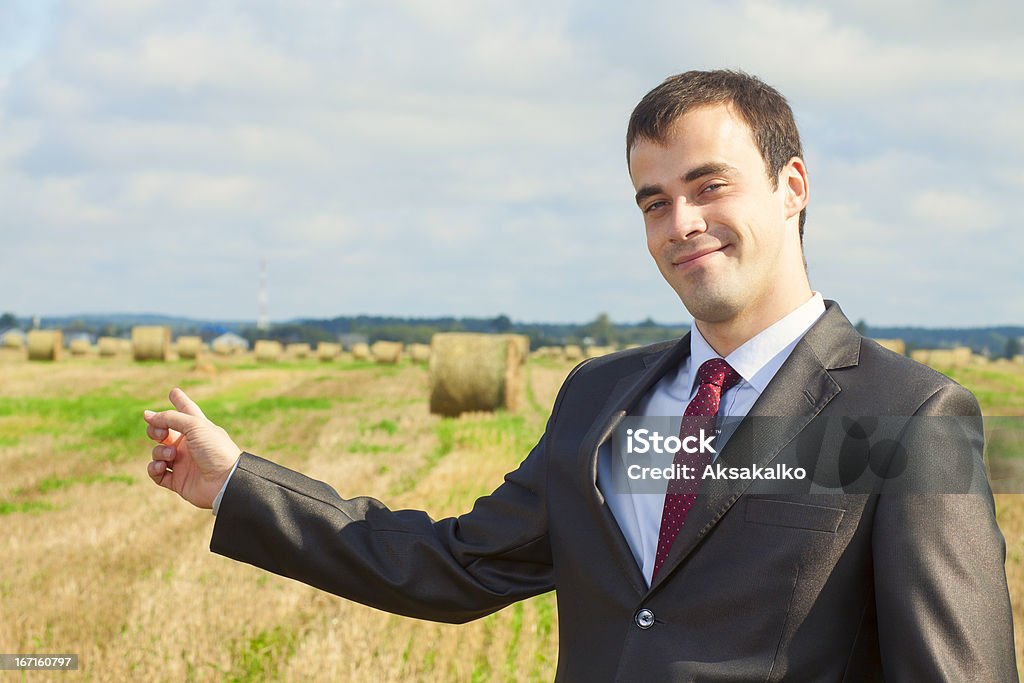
(744, 582)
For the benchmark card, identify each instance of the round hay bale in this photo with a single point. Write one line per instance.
(151, 342)
(387, 352)
(595, 351)
(419, 353)
(471, 372)
(572, 352)
(45, 344)
(548, 352)
(188, 347)
(328, 351)
(961, 356)
(299, 350)
(223, 347)
(522, 344)
(109, 346)
(14, 341)
(361, 351)
(897, 345)
(268, 350)
(80, 347)
(941, 358)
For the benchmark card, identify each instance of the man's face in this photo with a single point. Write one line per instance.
(722, 237)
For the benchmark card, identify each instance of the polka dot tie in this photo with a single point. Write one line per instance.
(713, 377)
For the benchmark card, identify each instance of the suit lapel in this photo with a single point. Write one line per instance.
(798, 392)
(624, 395)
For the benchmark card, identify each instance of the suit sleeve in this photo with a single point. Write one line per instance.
(401, 561)
(940, 584)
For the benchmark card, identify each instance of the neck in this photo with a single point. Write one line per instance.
(726, 336)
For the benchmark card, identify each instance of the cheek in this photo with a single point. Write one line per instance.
(651, 235)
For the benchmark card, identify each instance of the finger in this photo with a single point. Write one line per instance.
(170, 419)
(164, 453)
(156, 433)
(183, 403)
(162, 435)
(158, 473)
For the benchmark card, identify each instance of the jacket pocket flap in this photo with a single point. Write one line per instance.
(796, 515)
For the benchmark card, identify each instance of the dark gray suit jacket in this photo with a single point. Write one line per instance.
(784, 585)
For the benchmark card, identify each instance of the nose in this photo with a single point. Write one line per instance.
(687, 221)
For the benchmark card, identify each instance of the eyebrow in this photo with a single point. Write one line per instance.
(711, 168)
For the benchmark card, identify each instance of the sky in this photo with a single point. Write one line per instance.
(467, 158)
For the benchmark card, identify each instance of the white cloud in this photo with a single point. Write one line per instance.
(467, 158)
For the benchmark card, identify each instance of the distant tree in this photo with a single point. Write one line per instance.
(602, 329)
(8, 320)
(110, 330)
(1011, 349)
(862, 327)
(502, 324)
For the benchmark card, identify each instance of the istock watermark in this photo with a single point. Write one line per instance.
(837, 454)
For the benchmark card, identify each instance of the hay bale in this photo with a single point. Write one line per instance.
(547, 352)
(151, 342)
(522, 344)
(268, 350)
(188, 347)
(223, 347)
(328, 351)
(419, 353)
(80, 347)
(361, 351)
(386, 352)
(897, 345)
(299, 350)
(920, 355)
(126, 346)
(572, 352)
(961, 356)
(45, 344)
(14, 341)
(941, 358)
(109, 346)
(471, 372)
(595, 351)
(979, 360)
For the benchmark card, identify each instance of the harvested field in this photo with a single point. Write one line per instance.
(100, 562)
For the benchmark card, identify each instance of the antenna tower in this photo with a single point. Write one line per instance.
(263, 322)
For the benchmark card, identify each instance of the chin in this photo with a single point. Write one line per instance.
(711, 306)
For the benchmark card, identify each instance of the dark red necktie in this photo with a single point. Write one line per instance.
(714, 377)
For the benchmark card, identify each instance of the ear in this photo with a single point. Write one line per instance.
(793, 181)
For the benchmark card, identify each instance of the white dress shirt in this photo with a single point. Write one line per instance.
(638, 511)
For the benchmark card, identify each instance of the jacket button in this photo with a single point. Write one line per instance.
(644, 618)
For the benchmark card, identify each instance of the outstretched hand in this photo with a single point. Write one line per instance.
(193, 456)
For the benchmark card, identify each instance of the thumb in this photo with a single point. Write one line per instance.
(184, 404)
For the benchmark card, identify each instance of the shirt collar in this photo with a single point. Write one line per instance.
(761, 356)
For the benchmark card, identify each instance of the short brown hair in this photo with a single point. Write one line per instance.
(761, 106)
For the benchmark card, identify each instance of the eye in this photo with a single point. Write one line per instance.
(655, 205)
(712, 187)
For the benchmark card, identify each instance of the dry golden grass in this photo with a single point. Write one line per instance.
(99, 562)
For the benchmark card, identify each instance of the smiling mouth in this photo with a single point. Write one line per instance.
(693, 260)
